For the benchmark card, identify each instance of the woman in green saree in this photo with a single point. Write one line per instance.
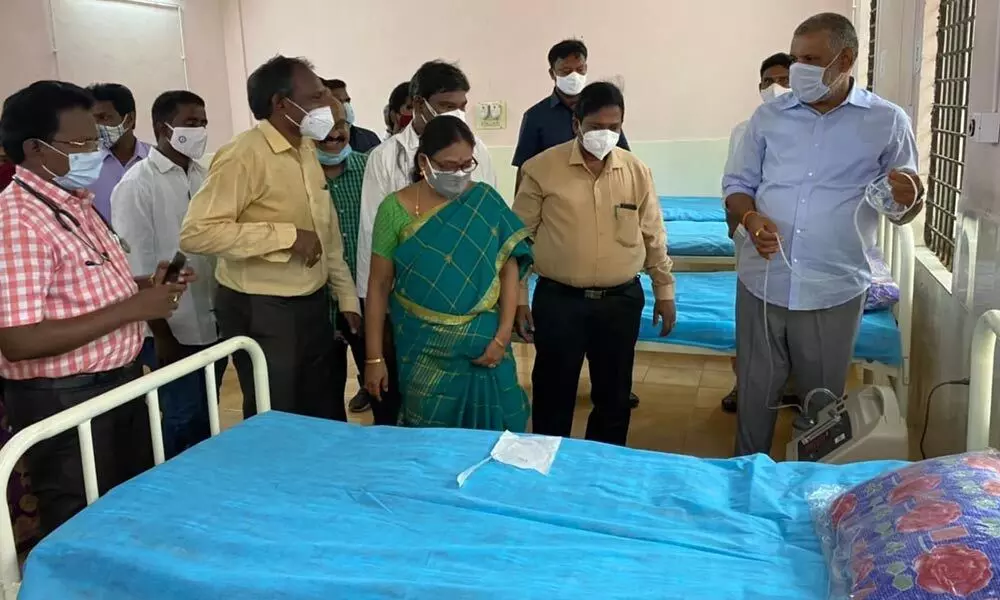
(451, 254)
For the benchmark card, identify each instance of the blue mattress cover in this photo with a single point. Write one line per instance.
(698, 238)
(706, 318)
(692, 208)
(291, 507)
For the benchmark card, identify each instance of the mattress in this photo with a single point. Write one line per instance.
(698, 208)
(698, 238)
(706, 318)
(290, 507)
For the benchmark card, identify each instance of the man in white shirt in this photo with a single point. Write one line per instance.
(773, 83)
(147, 208)
(437, 88)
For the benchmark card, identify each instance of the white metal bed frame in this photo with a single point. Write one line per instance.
(896, 243)
(81, 415)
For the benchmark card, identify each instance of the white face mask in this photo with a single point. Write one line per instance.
(458, 113)
(773, 91)
(600, 142)
(189, 141)
(571, 84)
(316, 124)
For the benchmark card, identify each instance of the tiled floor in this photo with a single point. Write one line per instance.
(679, 411)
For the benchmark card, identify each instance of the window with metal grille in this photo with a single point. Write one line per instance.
(873, 13)
(949, 112)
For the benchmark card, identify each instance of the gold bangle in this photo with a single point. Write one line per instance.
(497, 341)
(743, 221)
(373, 361)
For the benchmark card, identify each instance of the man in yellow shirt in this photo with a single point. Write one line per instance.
(265, 213)
(593, 213)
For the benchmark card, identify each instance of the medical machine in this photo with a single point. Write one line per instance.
(866, 425)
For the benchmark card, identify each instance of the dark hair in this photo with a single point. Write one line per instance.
(841, 30)
(440, 133)
(117, 94)
(33, 113)
(436, 77)
(399, 96)
(166, 104)
(596, 96)
(272, 78)
(334, 84)
(566, 49)
(776, 60)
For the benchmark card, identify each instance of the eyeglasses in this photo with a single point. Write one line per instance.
(86, 146)
(467, 168)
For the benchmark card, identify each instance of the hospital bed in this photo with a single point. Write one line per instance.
(706, 317)
(697, 234)
(293, 507)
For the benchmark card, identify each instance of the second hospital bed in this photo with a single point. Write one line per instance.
(697, 235)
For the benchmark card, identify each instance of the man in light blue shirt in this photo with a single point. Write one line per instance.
(794, 185)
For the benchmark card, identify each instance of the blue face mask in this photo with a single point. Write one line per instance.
(807, 81)
(331, 160)
(84, 169)
(350, 113)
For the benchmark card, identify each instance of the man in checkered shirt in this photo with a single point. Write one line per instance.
(71, 313)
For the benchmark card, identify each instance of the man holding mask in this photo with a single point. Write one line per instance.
(795, 185)
(595, 218)
(149, 205)
(265, 213)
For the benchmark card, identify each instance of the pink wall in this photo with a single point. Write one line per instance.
(28, 55)
(689, 66)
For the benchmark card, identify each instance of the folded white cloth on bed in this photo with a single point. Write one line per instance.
(522, 451)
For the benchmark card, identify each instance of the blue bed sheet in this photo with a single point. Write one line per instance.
(698, 238)
(290, 507)
(697, 208)
(706, 318)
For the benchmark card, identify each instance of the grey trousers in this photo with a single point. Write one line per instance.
(813, 346)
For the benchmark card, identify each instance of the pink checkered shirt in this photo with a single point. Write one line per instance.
(43, 276)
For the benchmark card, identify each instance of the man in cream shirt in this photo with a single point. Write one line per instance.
(437, 88)
(265, 212)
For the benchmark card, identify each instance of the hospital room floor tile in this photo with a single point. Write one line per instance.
(679, 410)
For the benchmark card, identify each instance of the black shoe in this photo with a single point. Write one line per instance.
(634, 400)
(360, 402)
(729, 402)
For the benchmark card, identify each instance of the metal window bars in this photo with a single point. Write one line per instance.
(949, 113)
(872, 30)
(81, 415)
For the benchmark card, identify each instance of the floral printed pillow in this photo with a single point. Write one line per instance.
(928, 531)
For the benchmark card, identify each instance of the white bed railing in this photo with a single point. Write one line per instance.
(984, 341)
(81, 415)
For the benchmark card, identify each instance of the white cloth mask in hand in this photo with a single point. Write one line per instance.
(530, 452)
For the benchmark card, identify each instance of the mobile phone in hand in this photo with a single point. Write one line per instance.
(174, 269)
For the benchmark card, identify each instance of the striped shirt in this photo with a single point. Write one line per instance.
(50, 273)
(345, 190)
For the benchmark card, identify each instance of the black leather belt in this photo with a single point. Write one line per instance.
(590, 293)
(73, 381)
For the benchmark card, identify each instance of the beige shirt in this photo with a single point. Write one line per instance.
(259, 190)
(593, 232)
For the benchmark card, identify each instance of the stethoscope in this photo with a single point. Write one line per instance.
(68, 222)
